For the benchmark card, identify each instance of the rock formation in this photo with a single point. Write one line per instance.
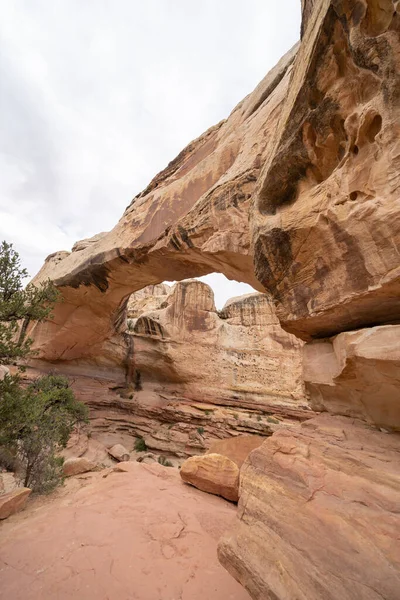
(192, 219)
(13, 501)
(212, 473)
(326, 220)
(183, 374)
(135, 534)
(303, 177)
(76, 466)
(318, 511)
(357, 373)
(118, 452)
(318, 515)
(218, 471)
(239, 356)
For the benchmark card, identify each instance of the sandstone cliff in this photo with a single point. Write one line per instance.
(184, 374)
(302, 178)
(318, 513)
(192, 219)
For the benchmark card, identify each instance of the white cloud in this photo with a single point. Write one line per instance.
(96, 97)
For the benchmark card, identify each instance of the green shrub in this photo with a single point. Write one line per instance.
(36, 423)
(140, 445)
(200, 430)
(164, 461)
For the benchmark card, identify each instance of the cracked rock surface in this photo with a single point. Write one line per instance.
(139, 534)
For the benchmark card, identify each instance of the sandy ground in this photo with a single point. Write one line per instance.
(141, 535)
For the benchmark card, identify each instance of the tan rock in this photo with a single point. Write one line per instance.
(326, 218)
(119, 452)
(318, 515)
(191, 220)
(212, 473)
(75, 466)
(236, 448)
(242, 348)
(253, 369)
(356, 374)
(13, 502)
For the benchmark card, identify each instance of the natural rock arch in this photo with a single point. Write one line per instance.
(191, 220)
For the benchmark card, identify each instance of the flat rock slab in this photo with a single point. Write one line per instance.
(318, 516)
(13, 502)
(76, 466)
(135, 535)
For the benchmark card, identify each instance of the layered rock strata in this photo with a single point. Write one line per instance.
(318, 515)
(318, 511)
(184, 374)
(191, 220)
(326, 219)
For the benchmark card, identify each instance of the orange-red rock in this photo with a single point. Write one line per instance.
(13, 502)
(356, 373)
(236, 448)
(75, 466)
(192, 219)
(212, 473)
(140, 534)
(326, 218)
(318, 515)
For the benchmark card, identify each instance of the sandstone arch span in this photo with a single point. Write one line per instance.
(191, 220)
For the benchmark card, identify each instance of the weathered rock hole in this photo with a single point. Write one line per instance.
(374, 128)
(355, 150)
(353, 196)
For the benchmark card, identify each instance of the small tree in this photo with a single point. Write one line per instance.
(19, 305)
(36, 421)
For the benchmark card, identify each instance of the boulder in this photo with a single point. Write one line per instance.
(318, 516)
(147, 458)
(75, 466)
(212, 473)
(119, 452)
(13, 502)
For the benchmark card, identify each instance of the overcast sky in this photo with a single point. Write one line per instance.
(97, 96)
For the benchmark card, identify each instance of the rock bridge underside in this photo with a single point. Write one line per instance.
(297, 194)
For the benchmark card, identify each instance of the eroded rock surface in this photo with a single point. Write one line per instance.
(357, 373)
(192, 219)
(326, 219)
(237, 449)
(318, 515)
(119, 452)
(184, 374)
(140, 534)
(240, 354)
(218, 471)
